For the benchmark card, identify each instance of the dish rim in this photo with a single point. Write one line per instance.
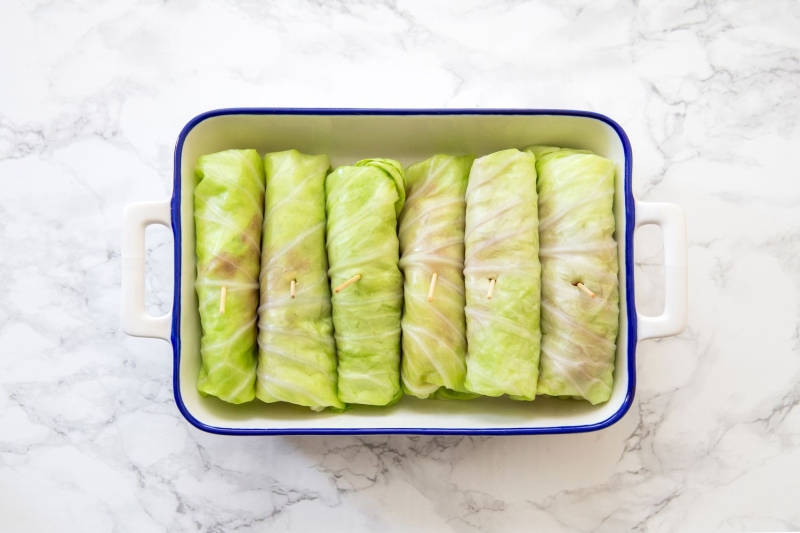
(630, 223)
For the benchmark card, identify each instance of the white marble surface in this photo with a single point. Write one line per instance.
(92, 96)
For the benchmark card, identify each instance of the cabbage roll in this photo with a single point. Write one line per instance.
(502, 260)
(228, 212)
(579, 332)
(432, 242)
(296, 351)
(363, 202)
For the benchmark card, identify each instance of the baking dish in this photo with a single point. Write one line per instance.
(346, 136)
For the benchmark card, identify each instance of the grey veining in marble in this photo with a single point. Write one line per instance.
(92, 96)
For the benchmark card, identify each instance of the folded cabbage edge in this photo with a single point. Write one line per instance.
(362, 205)
(431, 233)
(297, 354)
(576, 196)
(229, 203)
(502, 244)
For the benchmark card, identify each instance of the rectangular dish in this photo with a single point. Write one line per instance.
(346, 136)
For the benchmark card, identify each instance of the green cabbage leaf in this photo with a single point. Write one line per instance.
(576, 232)
(363, 202)
(432, 241)
(502, 244)
(228, 213)
(297, 354)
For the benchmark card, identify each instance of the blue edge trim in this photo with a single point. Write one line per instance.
(631, 305)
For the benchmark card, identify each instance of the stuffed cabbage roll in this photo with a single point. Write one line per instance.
(432, 243)
(228, 212)
(502, 276)
(363, 202)
(296, 351)
(576, 228)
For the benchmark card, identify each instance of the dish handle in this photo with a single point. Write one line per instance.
(671, 220)
(135, 320)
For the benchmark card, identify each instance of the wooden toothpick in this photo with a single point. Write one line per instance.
(222, 296)
(492, 281)
(293, 288)
(347, 283)
(433, 286)
(585, 289)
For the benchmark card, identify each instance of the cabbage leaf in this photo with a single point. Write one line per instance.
(228, 213)
(576, 228)
(432, 241)
(502, 244)
(363, 202)
(297, 354)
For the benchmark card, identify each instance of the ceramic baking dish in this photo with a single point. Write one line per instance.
(346, 136)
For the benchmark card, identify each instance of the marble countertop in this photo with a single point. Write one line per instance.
(92, 96)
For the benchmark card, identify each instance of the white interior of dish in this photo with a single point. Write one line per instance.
(347, 139)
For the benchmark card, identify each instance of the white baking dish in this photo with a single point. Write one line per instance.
(346, 136)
